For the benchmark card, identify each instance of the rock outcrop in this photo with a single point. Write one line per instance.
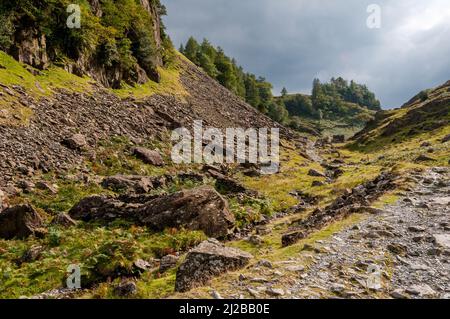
(133, 184)
(196, 209)
(206, 261)
(30, 47)
(20, 222)
(357, 200)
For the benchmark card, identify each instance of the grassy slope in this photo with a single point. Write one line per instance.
(400, 140)
(46, 83)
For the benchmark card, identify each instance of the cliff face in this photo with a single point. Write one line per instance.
(112, 46)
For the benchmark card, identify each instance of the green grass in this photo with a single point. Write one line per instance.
(85, 245)
(113, 158)
(170, 84)
(69, 193)
(43, 84)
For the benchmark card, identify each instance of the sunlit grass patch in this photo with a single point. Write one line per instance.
(170, 84)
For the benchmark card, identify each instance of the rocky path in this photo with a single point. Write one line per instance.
(404, 252)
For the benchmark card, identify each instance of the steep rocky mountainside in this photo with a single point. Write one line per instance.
(101, 115)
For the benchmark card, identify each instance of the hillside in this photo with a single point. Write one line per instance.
(87, 180)
(38, 112)
(420, 126)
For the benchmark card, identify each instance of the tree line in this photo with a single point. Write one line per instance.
(254, 90)
(338, 99)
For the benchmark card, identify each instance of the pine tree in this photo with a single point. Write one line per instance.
(191, 50)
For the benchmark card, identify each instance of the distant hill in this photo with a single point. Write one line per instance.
(337, 107)
(428, 111)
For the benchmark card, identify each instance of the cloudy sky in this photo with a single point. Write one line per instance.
(291, 42)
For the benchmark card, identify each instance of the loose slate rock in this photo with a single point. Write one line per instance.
(64, 220)
(315, 173)
(137, 184)
(168, 262)
(20, 222)
(75, 142)
(446, 139)
(208, 260)
(201, 208)
(126, 289)
(442, 240)
(152, 157)
(424, 158)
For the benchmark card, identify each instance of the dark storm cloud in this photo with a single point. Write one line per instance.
(290, 42)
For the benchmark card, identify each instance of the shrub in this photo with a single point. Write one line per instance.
(6, 32)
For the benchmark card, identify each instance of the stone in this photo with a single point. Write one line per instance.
(446, 139)
(399, 294)
(168, 262)
(20, 222)
(434, 252)
(398, 249)
(317, 184)
(47, 187)
(132, 183)
(255, 240)
(292, 237)
(424, 158)
(216, 295)
(264, 263)
(315, 173)
(298, 268)
(152, 157)
(442, 240)
(30, 47)
(32, 254)
(226, 183)
(275, 292)
(416, 229)
(337, 288)
(254, 293)
(141, 265)
(75, 142)
(263, 230)
(201, 208)
(208, 260)
(63, 220)
(338, 139)
(371, 235)
(126, 289)
(26, 186)
(422, 290)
